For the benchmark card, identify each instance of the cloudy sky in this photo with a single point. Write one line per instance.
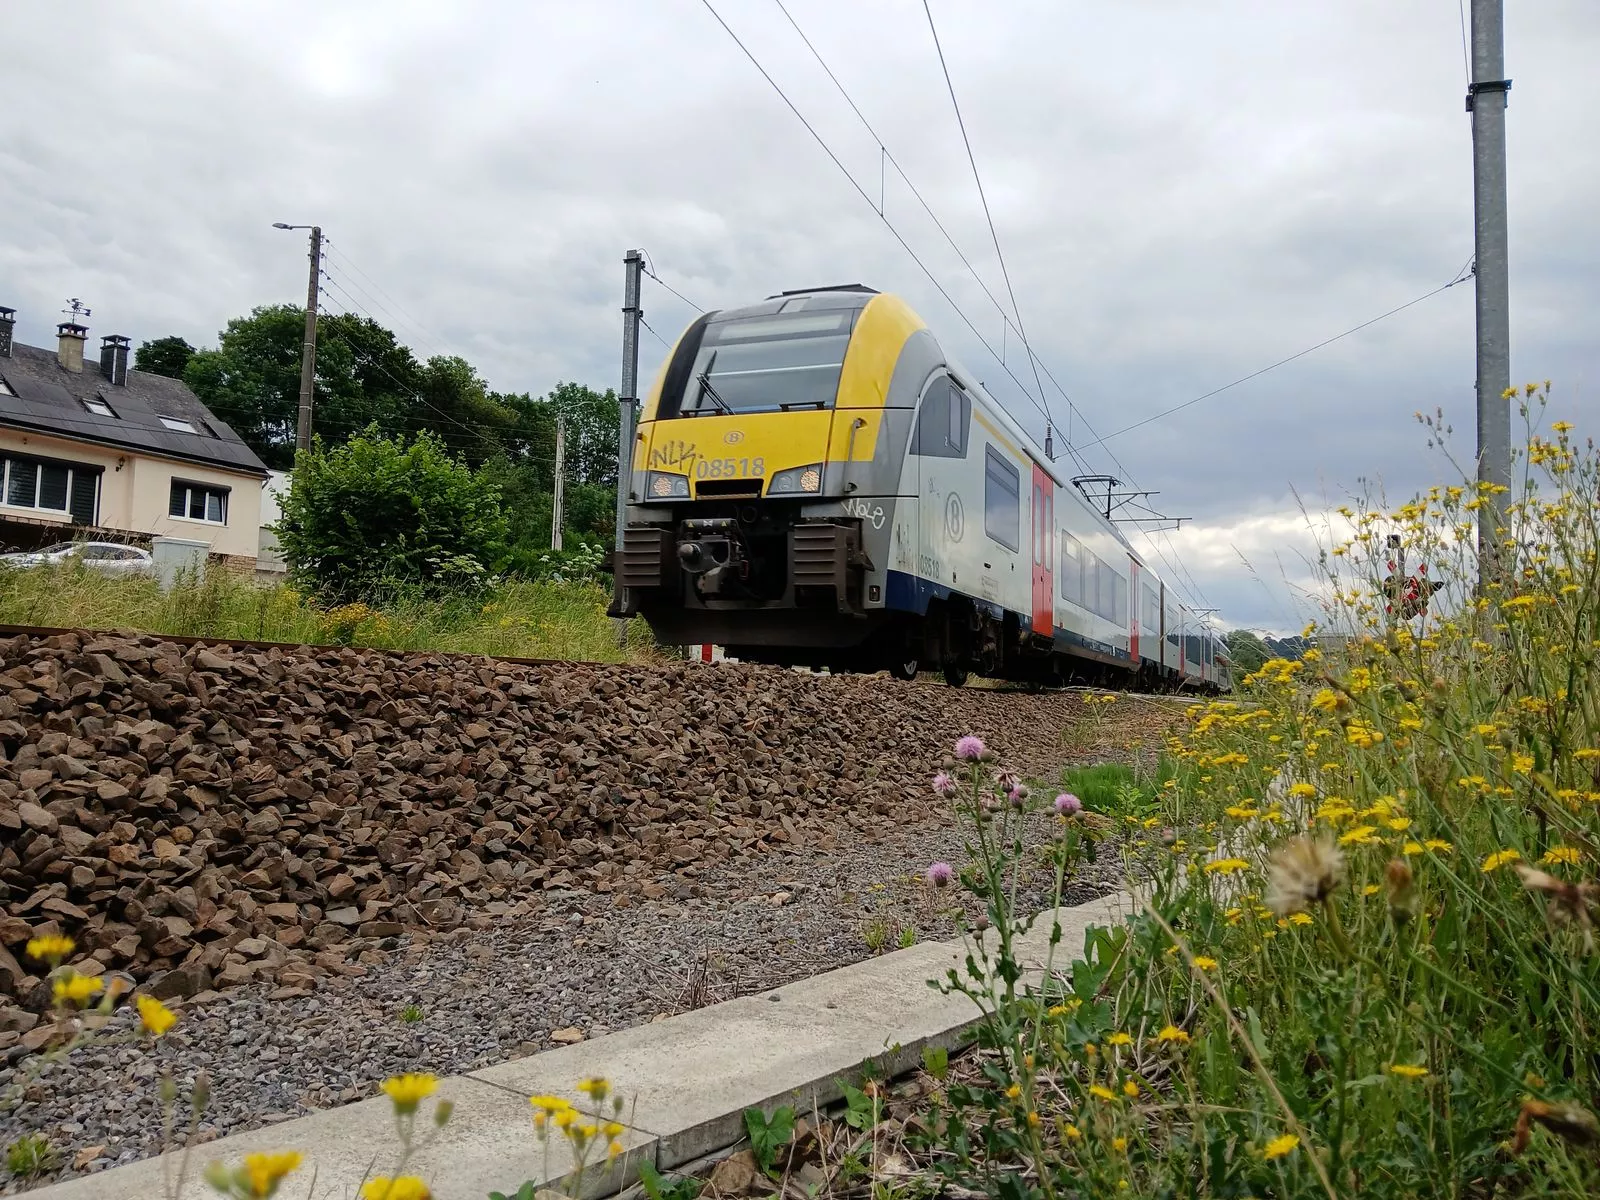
(1183, 193)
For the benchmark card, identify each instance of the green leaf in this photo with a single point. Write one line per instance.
(768, 1135)
(936, 1061)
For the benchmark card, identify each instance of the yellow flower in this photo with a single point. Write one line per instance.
(1119, 1144)
(1302, 790)
(265, 1170)
(1562, 854)
(612, 1129)
(1279, 1146)
(1300, 918)
(406, 1187)
(1226, 866)
(1033, 1119)
(51, 948)
(1173, 1034)
(1014, 1092)
(1204, 963)
(1119, 1039)
(1407, 1071)
(1358, 836)
(407, 1091)
(1561, 426)
(597, 1088)
(155, 1016)
(1130, 1089)
(1399, 824)
(1411, 848)
(78, 988)
(1072, 1133)
(1103, 1093)
(1326, 700)
(1499, 859)
(550, 1104)
(1438, 846)
(614, 1149)
(1583, 755)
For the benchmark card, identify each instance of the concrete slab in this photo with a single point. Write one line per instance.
(686, 1082)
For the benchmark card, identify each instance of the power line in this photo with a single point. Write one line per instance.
(654, 334)
(904, 245)
(650, 272)
(345, 257)
(1167, 412)
(987, 215)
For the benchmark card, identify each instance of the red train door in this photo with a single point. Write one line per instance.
(1044, 536)
(1135, 595)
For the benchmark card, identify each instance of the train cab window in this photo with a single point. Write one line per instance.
(942, 421)
(789, 360)
(1002, 499)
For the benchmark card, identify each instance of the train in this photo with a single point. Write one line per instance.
(816, 482)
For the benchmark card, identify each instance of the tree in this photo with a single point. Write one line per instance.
(1247, 651)
(163, 356)
(591, 429)
(382, 514)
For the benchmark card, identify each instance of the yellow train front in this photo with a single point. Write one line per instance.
(766, 464)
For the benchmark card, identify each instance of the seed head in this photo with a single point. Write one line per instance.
(1301, 873)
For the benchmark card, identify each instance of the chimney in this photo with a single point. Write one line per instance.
(114, 359)
(8, 326)
(71, 337)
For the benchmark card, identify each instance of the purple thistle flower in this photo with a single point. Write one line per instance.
(969, 748)
(941, 874)
(1068, 805)
(943, 785)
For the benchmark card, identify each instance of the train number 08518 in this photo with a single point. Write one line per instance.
(729, 468)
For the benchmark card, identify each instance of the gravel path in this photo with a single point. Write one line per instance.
(579, 962)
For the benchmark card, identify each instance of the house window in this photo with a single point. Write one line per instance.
(1002, 499)
(179, 426)
(55, 487)
(99, 408)
(196, 502)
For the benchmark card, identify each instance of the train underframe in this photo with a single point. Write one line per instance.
(773, 589)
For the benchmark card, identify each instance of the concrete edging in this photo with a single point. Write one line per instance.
(687, 1079)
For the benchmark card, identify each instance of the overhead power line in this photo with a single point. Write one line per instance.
(987, 215)
(1465, 275)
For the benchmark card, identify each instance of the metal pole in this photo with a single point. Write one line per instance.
(558, 516)
(308, 355)
(1486, 101)
(627, 400)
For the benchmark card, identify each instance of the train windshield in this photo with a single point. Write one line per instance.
(760, 364)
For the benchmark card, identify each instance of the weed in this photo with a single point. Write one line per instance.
(412, 1014)
(31, 1155)
(768, 1135)
(659, 1187)
(908, 937)
(879, 933)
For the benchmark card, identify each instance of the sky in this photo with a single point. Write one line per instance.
(1183, 194)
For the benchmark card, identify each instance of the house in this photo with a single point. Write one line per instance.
(114, 454)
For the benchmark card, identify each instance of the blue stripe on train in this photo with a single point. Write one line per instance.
(912, 594)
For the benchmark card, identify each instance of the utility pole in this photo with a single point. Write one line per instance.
(308, 351)
(558, 515)
(627, 401)
(1486, 101)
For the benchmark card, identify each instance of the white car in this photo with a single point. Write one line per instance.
(110, 558)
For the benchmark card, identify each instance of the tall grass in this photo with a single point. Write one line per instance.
(516, 619)
(1366, 962)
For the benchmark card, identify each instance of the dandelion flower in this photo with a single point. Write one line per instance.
(1302, 873)
(1438, 846)
(1359, 836)
(1130, 1089)
(1202, 962)
(596, 1088)
(1173, 1034)
(265, 1170)
(1119, 1039)
(969, 748)
(1562, 854)
(1499, 859)
(1014, 1092)
(1280, 1145)
(1104, 1093)
(940, 874)
(1119, 1144)
(614, 1149)
(406, 1187)
(51, 948)
(1072, 1133)
(78, 988)
(155, 1016)
(409, 1090)
(1302, 791)
(1407, 1070)
(1226, 866)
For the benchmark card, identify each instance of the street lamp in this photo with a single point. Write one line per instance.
(308, 357)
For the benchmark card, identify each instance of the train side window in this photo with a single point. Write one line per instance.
(1002, 499)
(942, 421)
(1071, 569)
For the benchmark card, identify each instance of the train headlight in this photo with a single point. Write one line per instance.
(796, 480)
(663, 485)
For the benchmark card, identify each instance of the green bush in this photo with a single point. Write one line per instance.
(379, 516)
